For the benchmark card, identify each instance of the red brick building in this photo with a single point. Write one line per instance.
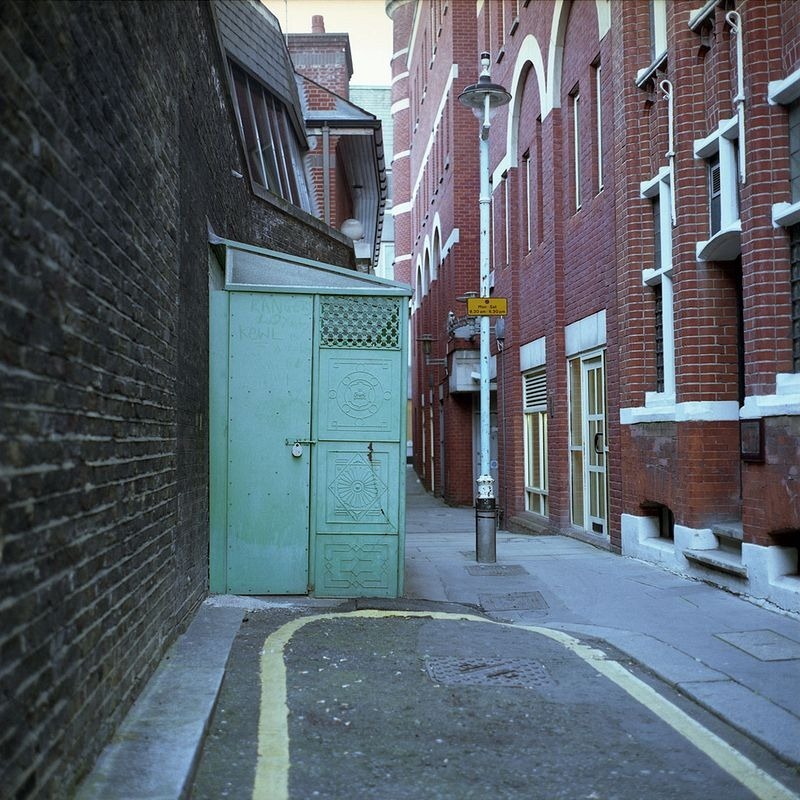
(645, 210)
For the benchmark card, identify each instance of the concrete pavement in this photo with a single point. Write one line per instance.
(739, 661)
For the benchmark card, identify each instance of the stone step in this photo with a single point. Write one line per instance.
(728, 530)
(719, 559)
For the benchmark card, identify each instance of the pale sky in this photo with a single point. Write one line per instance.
(365, 20)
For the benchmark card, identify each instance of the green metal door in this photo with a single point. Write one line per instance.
(358, 474)
(269, 403)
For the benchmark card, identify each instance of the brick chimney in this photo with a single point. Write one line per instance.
(323, 57)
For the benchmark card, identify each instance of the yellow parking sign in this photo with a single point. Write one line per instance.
(487, 306)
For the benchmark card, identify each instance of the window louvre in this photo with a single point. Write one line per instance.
(535, 390)
(714, 193)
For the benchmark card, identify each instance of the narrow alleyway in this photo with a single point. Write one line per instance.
(451, 707)
(562, 671)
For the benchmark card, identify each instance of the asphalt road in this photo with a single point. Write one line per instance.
(349, 707)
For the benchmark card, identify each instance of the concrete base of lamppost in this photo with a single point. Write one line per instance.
(485, 530)
(485, 522)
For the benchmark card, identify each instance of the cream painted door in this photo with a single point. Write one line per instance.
(588, 445)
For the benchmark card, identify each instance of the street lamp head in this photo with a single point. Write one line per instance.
(475, 95)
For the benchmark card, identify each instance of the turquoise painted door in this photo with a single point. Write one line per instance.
(269, 402)
(357, 478)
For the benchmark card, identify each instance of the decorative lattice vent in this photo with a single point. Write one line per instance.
(365, 322)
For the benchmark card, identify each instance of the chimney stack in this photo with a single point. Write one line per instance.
(317, 24)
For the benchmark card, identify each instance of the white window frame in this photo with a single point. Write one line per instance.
(536, 497)
(528, 230)
(599, 145)
(784, 93)
(660, 187)
(575, 101)
(658, 28)
(507, 222)
(725, 244)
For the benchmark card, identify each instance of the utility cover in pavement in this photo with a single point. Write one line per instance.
(763, 645)
(519, 672)
(497, 569)
(513, 601)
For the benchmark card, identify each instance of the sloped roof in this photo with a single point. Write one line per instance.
(252, 37)
(363, 158)
(255, 268)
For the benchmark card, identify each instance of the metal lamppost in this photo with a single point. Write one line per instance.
(483, 98)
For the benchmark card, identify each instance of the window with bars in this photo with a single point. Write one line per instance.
(794, 261)
(658, 191)
(794, 150)
(658, 296)
(534, 388)
(273, 152)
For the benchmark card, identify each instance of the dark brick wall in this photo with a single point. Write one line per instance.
(119, 143)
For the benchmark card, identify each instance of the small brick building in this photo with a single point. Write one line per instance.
(645, 232)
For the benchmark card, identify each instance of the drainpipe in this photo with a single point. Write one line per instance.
(666, 87)
(734, 19)
(326, 171)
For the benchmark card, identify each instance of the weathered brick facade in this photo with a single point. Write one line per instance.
(120, 148)
(684, 318)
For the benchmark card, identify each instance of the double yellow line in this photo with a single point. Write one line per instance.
(272, 767)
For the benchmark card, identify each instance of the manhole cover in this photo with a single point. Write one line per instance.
(513, 601)
(511, 672)
(497, 569)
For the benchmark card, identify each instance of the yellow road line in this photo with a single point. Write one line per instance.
(272, 765)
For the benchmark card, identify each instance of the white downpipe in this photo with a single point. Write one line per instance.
(667, 88)
(734, 19)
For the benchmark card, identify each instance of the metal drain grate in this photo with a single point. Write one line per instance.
(513, 601)
(510, 672)
(497, 569)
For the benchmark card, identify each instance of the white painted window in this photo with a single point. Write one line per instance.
(720, 151)
(534, 391)
(599, 132)
(575, 98)
(506, 221)
(658, 28)
(526, 162)
(658, 191)
(786, 92)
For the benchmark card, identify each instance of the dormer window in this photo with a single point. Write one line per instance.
(273, 152)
